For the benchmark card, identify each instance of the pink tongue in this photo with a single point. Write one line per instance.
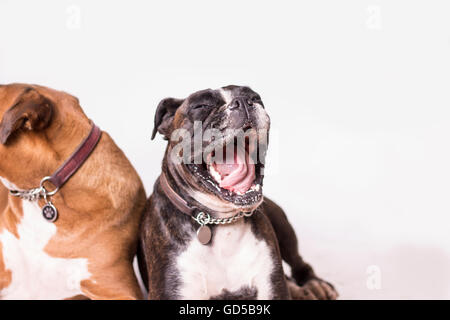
(237, 176)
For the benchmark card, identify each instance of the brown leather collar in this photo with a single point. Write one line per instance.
(174, 197)
(76, 160)
(64, 172)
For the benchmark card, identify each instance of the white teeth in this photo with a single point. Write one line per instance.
(215, 174)
(254, 188)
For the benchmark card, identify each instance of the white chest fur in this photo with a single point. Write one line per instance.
(235, 259)
(35, 274)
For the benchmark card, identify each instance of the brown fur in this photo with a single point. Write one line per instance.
(5, 275)
(100, 206)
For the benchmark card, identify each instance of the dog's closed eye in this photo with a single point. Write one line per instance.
(201, 106)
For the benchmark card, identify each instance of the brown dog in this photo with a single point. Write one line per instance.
(87, 252)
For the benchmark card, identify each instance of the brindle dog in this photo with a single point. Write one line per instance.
(243, 259)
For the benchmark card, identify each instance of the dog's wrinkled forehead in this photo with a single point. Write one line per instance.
(231, 92)
(207, 97)
(231, 106)
(219, 97)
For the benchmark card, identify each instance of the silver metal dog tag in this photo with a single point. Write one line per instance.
(204, 234)
(49, 212)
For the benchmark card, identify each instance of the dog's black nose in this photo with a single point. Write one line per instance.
(241, 103)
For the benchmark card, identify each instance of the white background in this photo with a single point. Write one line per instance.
(358, 93)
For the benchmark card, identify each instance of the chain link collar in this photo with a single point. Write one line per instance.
(204, 233)
(204, 218)
(34, 194)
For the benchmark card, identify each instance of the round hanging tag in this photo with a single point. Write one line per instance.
(49, 212)
(204, 234)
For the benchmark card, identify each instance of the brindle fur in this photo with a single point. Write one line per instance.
(171, 230)
(166, 231)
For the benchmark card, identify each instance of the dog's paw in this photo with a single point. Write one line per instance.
(314, 289)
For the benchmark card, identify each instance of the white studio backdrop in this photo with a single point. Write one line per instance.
(358, 94)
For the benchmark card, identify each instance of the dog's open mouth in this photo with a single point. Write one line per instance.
(233, 171)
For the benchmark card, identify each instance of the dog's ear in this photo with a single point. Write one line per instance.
(164, 116)
(31, 111)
